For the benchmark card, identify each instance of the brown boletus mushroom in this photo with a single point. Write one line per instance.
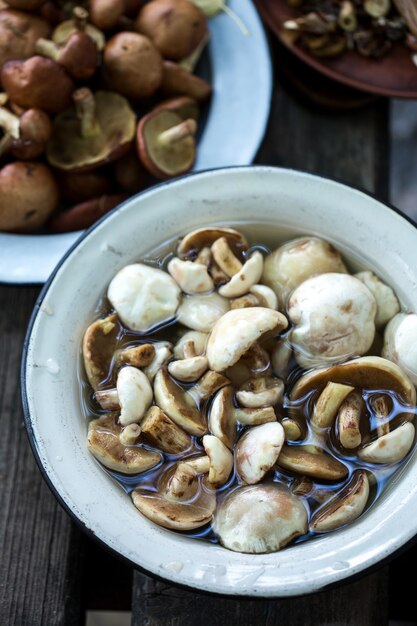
(260, 518)
(97, 130)
(85, 214)
(19, 33)
(166, 143)
(133, 65)
(105, 14)
(81, 186)
(99, 345)
(184, 106)
(28, 196)
(78, 55)
(175, 26)
(24, 137)
(37, 83)
(177, 81)
(78, 23)
(130, 173)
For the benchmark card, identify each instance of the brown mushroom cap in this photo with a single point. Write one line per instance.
(37, 83)
(104, 443)
(194, 511)
(194, 241)
(19, 33)
(177, 81)
(99, 345)
(175, 26)
(133, 65)
(130, 173)
(79, 22)
(104, 132)
(78, 55)
(28, 196)
(83, 215)
(105, 14)
(259, 519)
(82, 186)
(164, 155)
(184, 106)
(25, 137)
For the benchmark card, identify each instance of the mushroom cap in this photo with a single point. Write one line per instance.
(177, 81)
(191, 277)
(251, 396)
(175, 26)
(237, 330)
(164, 160)
(105, 445)
(68, 150)
(245, 278)
(400, 343)
(35, 132)
(79, 56)
(202, 311)
(368, 372)
(184, 106)
(221, 460)
(222, 423)
(315, 463)
(82, 186)
(260, 519)
(30, 29)
(105, 14)
(389, 448)
(143, 296)
(82, 215)
(188, 370)
(295, 261)
(386, 300)
(201, 238)
(65, 29)
(199, 340)
(135, 394)
(333, 317)
(99, 345)
(133, 65)
(257, 451)
(173, 513)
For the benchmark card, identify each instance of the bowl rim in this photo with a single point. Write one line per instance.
(25, 402)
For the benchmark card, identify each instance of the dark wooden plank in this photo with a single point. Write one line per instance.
(352, 146)
(40, 549)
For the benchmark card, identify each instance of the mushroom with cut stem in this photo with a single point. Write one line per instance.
(196, 240)
(78, 55)
(175, 26)
(99, 128)
(328, 403)
(265, 296)
(400, 343)
(37, 83)
(202, 311)
(198, 339)
(241, 282)
(133, 65)
(143, 296)
(163, 353)
(166, 143)
(225, 257)
(191, 367)
(163, 433)
(333, 317)
(208, 385)
(130, 434)
(137, 356)
(311, 462)
(105, 442)
(191, 277)
(257, 451)
(78, 23)
(99, 344)
(236, 331)
(177, 81)
(381, 410)
(389, 448)
(239, 521)
(83, 215)
(254, 364)
(386, 300)
(260, 392)
(348, 420)
(293, 430)
(24, 137)
(19, 33)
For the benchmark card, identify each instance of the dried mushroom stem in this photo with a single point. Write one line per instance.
(328, 404)
(80, 18)
(381, 410)
(85, 107)
(187, 128)
(347, 19)
(348, 420)
(130, 434)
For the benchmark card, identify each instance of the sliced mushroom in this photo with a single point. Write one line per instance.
(135, 395)
(317, 464)
(137, 356)
(163, 353)
(333, 317)
(192, 243)
(192, 509)
(257, 451)
(344, 507)
(295, 261)
(143, 296)
(218, 464)
(400, 343)
(328, 404)
(240, 519)
(386, 300)
(202, 311)
(198, 339)
(236, 331)
(246, 277)
(163, 433)
(104, 443)
(191, 277)
(178, 404)
(260, 392)
(99, 344)
(348, 420)
(389, 448)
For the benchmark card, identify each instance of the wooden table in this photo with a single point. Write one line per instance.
(50, 573)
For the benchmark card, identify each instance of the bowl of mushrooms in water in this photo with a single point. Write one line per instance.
(219, 381)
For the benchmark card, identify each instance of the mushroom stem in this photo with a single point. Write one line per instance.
(85, 106)
(347, 19)
(187, 128)
(189, 350)
(108, 399)
(130, 434)
(184, 477)
(80, 17)
(381, 411)
(47, 48)
(292, 429)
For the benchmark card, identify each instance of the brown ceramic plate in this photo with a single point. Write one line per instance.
(395, 75)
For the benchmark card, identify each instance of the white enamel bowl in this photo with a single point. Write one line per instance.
(358, 224)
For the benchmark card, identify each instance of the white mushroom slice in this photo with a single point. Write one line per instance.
(240, 520)
(257, 451)
(348, 421)
(386, 300)
(135, 395)
(260, 392)
(400, 343)
(205, 237)
(191, 277)
(199, 340)
(143, 296)
(201, 312)
(104, 443)
(248, 275)
(236, 331)
(343, 508)
(389, 448)
(108, 399)
(224, 257)
(308, 462)
(265, 295)
(99, 344)
(188, 370)
(163, 433)
(295, 261)
(333, 317)
(280, 357)
(130, 434)
(163, 353)
(178, 404)
(328, 404)
(138, 356)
